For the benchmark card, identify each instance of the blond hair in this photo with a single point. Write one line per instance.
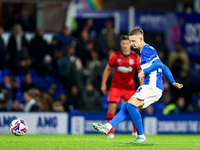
(136, 31)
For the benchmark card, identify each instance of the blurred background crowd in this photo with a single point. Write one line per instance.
(65, 74)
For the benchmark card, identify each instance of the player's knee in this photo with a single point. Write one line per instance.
(133, 100)
(124, 106)
(136, 102)
(130, 106)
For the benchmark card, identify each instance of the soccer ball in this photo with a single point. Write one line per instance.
(18, 127)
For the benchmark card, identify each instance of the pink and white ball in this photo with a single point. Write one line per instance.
(18, 127)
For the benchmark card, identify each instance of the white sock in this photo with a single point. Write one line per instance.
(141, 136)
(108, 125)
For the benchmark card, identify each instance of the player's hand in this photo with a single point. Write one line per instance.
(177, 85)
(104, 89)
(141, 76)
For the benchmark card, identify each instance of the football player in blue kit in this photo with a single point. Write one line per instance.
(146, 94)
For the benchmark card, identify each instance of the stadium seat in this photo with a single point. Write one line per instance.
(59, 85)
(17, 78)
(33, 72)
(22, 78)
(119, 104)
(50, 79)
(19, 96)
(60, 91)
(158, 107)
(75, 111)
(6, 72)
(104, 99)
(1, 79)
(44, 85)
(37, 79)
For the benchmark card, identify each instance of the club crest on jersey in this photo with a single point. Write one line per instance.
(131, 61)
(119, 60)
(124, 69)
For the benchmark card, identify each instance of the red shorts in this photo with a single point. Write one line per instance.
(115, 94)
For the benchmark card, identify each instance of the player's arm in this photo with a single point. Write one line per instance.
(138, 67)
(141, 82)
(106, 74)
(158, 64)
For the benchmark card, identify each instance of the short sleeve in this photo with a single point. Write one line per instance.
(138, 63)
(150, 55)
(111, 61)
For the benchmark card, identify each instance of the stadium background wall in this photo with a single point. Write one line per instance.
(79, 123)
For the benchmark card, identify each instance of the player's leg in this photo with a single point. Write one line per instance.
(145, 96)
(132, 106)
(110, 115)
(119, 117)
(113, 99)
(127, 94)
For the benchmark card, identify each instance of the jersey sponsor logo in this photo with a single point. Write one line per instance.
(131, 61)
(119, 60)
(124, 69)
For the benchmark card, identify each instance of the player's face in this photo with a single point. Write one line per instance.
(125, 45)
(135, 41)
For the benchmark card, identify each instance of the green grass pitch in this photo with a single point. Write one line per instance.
(98, 142)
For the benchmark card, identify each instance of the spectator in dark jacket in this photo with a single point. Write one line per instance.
(51, 50)
(15, 44)
(73, 100)
(161, 48)
(108, 39)
(64, 38)
(89, 26)
(27, 84)
(38, 49)
(46, 66)
(91, 101)
(81, 46)
(25, 62)
(64, 68)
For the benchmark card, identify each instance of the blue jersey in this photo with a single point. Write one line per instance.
(148, 56)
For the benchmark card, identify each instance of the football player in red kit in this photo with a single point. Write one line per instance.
(125, 63)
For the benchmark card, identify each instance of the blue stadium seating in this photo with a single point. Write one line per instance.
(32, 72)
(1, 79)
(104, 99)
(50, 79)
(37, 79)
(22, 78)
(19, 96)
(6, 72)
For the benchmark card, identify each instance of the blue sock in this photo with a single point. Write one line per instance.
(136, 117)
(120, 116)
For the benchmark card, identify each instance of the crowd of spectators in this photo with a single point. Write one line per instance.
(66, 74)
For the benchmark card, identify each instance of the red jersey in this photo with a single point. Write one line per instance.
(124, 69)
